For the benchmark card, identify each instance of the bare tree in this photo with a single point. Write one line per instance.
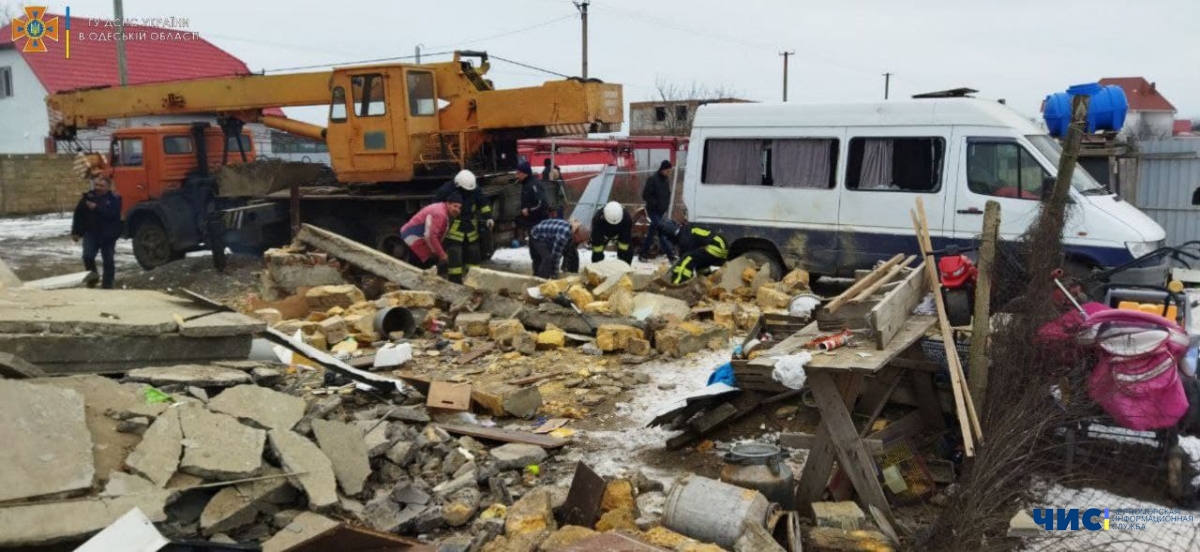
(1142, 129)
(679, 103)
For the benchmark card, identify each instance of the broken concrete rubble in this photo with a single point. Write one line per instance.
(238, 505)
(616, 337)
(596, 274)
(305, 527)
(333, 328)
(189, 374)
(50, 522)
(515, 456)
(375, 436)
(505, 399)
(259, 406)
(533, 514)
(473, 324)
(500, 282)
(300, 456)
(123, 484)
(221, 324)
(688, 337)
(551, 338)
(461, 506)
(217, 446)
(347, 451)
(839, 515)
(45, 423)
(407, 298)
(157, 457)
(772, 299)
(323, 298)
(646, 305)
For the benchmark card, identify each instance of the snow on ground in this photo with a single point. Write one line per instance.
(55, 225)
(517, 258)
(1163, 534)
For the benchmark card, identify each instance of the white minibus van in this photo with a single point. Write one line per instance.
(828, 188)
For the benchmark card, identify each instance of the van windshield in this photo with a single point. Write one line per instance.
(1081, 180)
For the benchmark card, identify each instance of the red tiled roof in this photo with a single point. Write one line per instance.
(152, 54)
(1142, 94)
(1182, 126)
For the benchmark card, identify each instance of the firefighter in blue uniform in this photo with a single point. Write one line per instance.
(702, 248)
(464, 239)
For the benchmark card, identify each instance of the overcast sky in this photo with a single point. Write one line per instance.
(1019, 50)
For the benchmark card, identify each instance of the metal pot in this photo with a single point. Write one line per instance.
(760, 466)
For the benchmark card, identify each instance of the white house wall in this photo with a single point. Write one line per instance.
(23, 121)
(1157, 124)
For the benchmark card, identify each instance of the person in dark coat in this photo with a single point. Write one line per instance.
(534, 208)
(469, 230)
(612, 223)
(702, 248)
(97, 222)
(657, 195)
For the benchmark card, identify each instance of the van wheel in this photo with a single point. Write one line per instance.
(152, 246)
(765, 259)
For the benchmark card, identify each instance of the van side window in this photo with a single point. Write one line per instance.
(1003, 168)
(177, 144)
(895, 164)
(739, 162)
(803, 163)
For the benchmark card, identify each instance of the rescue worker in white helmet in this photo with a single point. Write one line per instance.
(702, 248)
(612, 223)
(464, 240)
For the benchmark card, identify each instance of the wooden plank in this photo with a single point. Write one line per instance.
(921, 227)
(889, 315)
(475, 353)
(819, 465)
(848, 359)
(713, 418)
(852, 455)
(582, 507)
(504, 435)
(887, 278)
(892, 378)
(910, 424)
(449, 396)
(807, 441)
(982, 323)
(862, 284)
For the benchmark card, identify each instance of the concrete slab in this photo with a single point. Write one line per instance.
(238, 506)
(304, 528)
(124, 484)
(343, 444)
(50, 522)
(189, 374)
(497, 281)
(95, 312)
(259, 406)
(100, 396)
(299, 455)
(47, 446)
(76, 354)
(157, 457)
(15, 367)
(62, 281)
(217, 446)
(7, 278)
(221, 324)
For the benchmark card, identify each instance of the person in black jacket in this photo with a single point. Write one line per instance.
(465, 238)
(657, 195)
(97, 222)
(702, 248)
(610, 223)
(534, 208)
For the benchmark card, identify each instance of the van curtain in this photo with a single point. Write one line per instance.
(876, 164)
(801, 163)
(735, 162)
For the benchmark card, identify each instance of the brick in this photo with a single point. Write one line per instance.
(551, 338)
(688, 337)
(333, 328)
(323, 298)
(410, 299)
(473, 324)
(616, 337)
(580, 296)
(839, 515)
(771, 298)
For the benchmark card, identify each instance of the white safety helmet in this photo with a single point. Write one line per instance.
(465, 179)
(613, 213)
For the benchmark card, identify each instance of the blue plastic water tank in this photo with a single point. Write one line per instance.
(1106, 109)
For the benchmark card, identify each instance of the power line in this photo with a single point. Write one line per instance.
(359, 62)
(527, 66)
(507, 33)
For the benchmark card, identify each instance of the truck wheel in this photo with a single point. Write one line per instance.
(765, 259)
(958, 306)
(152, 246)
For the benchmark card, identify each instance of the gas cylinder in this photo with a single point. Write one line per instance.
(760, 466)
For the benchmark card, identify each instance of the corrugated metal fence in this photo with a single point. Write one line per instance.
(1169, 186)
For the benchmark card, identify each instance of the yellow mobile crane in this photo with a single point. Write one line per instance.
(394, 132)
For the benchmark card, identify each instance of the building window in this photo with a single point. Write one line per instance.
(681, 113)
(421, 102)
(895, 164)
(127, 152)
(1003, 169)
(6, 90)
(177, 144)
(369, 95)
(231, 143)
(660, 114)
(784, 163)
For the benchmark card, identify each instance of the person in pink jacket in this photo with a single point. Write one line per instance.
(424, 232)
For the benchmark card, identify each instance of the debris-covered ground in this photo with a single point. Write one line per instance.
(386, 404)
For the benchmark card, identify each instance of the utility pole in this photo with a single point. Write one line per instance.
(582, 6)
(119, 15)
(419, 53)
(887, 82)
(785, 71)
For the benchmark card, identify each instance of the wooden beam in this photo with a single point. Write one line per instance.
(852, 455)
(862, 284)
(982, 323)
(814, 477)
(888, 277)
(920, 225)
(504, 435)
(887, 317)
